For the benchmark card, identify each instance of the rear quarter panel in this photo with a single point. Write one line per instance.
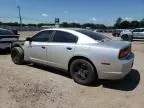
(107, 55)
(98, 54)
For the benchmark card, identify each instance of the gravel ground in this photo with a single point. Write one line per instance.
(29, 86)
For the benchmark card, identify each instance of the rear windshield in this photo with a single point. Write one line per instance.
(93, 35)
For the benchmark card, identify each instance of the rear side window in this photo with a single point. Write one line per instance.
(93, 35)
(43, 36)
(5, 32)
(64, 37)
(136, 30)
(142, 30)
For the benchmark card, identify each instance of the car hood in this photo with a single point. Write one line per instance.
(115, 44)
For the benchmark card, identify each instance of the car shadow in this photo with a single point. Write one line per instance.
(129, 83)
(138, 41)
(51, 69)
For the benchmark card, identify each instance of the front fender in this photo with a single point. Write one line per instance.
(18, 44)
(126, 33)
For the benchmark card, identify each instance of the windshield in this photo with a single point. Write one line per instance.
(94, 35)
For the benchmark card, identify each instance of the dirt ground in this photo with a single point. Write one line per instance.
(29, 86)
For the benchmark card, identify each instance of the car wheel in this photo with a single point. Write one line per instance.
(17, 55)
(83, 72)
(126, 38)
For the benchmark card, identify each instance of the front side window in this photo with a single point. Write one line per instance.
(64, 37)
(142, 30)
(136, 30)
(43, 36)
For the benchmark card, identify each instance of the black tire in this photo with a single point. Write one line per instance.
(85, 75)
(127, 38)
(17, 55)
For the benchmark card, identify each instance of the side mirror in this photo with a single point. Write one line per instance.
(29, 39)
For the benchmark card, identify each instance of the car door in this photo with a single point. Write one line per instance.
(61, 49)
(141, 33)
(136, 33)
(37, 47)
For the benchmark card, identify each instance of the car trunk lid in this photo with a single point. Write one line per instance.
(8, 38)
(124, 47)
(115, 44)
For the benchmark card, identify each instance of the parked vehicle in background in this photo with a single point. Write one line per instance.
(15, 32)
(6, 38)
(87, 55)
(129, 35)
(117, 32)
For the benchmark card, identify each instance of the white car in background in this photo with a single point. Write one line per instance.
(129, 35)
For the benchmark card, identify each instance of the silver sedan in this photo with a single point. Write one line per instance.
(87, 55)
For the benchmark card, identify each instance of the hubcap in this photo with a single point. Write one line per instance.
(15, 56)
(81, 71)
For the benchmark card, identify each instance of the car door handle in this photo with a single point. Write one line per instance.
(69, 48)
(43, 47)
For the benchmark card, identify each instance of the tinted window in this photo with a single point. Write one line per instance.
(64, 37)
(5, 32)
(93, 35)
(43, 36)
(136, 30)
(141, 30)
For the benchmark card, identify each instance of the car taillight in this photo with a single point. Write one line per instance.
(124, 52)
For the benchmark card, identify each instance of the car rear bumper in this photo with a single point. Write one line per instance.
(6, 42)
(123, 68)
(5, 45)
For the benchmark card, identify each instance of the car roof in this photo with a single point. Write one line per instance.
(139, 28)
(3, 29)
(68, 29)
(82, 37)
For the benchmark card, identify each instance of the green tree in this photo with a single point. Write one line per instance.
(30, 25)
(100, 26)
(41, 24)
(125, 25)
(75, 25)
(118, 23)
(91, 25)
(135, 24)
(142, 23)
(64, 24)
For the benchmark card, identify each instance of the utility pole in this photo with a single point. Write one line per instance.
(20, 18)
